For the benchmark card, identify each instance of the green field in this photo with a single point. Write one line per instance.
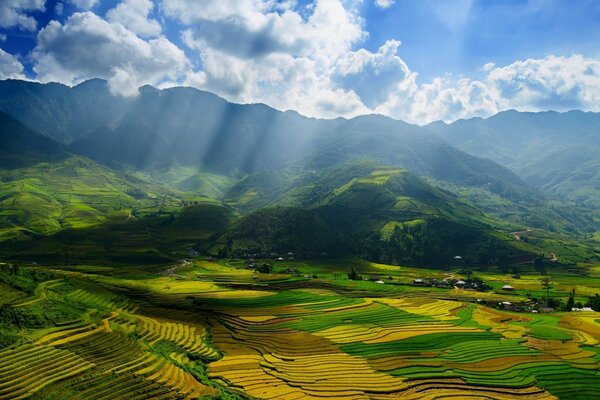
(172, 245)
(203, 329)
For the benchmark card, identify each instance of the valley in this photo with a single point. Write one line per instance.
(147, 251)
(214, 329)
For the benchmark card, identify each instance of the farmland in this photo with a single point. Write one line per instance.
(213, 329)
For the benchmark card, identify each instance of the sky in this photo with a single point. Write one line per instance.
(415, 60)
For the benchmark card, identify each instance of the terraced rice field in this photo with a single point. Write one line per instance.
(335, 347)
(139, 339)
(120, 355)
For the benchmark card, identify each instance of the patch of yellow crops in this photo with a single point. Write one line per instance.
(364, 304)
(189, 337)
(435, 389)
(383, 267)
(438, 309)
(582, 290)
(569, 351)
(258, 318)
(370, 334)
(330, 372)
(585, 322)
(182, 359)
(215, 267)
(245, 371)
(500, 322)
(69, 335)
(173, 286)
(472, 295)
(165, 285)
(180, 381)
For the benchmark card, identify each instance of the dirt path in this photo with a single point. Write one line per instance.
(517, 234)
(172, 272)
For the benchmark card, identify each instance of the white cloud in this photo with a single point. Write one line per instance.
(306, 58)
(2, 37)
(373, 76)
(10, 67)
(551, 83)
(85, 5)
(252, 51)
(13, 13)
(383, 4)
(133, 14)
(87, 46)
(488, 67)
(261, 51)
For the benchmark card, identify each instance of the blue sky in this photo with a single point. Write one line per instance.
(460, 36)
(414, 60)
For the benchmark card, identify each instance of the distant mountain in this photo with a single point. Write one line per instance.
(45, 189)
(383, 213)
(147, 178)
(394, 142)
(60, 112)
(555, 152)
(21, 146)
(187, 127)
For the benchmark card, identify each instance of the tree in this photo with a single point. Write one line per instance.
(266, 268)
(353, 275)
(594, 302)
(538, 264)
(571, 301)
(547, 284)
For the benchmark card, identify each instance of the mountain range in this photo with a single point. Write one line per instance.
(79, 163)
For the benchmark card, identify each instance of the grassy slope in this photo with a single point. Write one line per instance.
(155, 236)
(423, 334)
(74, 193)
(192, 179)
(550, 215)
(359, 206)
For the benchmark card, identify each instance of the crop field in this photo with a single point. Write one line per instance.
(203, 329)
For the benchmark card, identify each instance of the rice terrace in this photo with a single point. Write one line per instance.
(217, 330)
(299, 199)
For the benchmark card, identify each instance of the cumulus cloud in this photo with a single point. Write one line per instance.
(383, 4)
(551, 83)
(373, 76)
(14, 13)
(10, 67)
(87, 46)
(261, 51)
(85, 5)
(306, 58)
(133, 14)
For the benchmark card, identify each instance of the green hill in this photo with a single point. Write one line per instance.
(150, 177)
(21, 146)
(382, 213)
(155, 235)
(72, 193)
(554, 152)
(185, 127)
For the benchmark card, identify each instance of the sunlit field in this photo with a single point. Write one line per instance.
(299, 199)
(212, 329)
